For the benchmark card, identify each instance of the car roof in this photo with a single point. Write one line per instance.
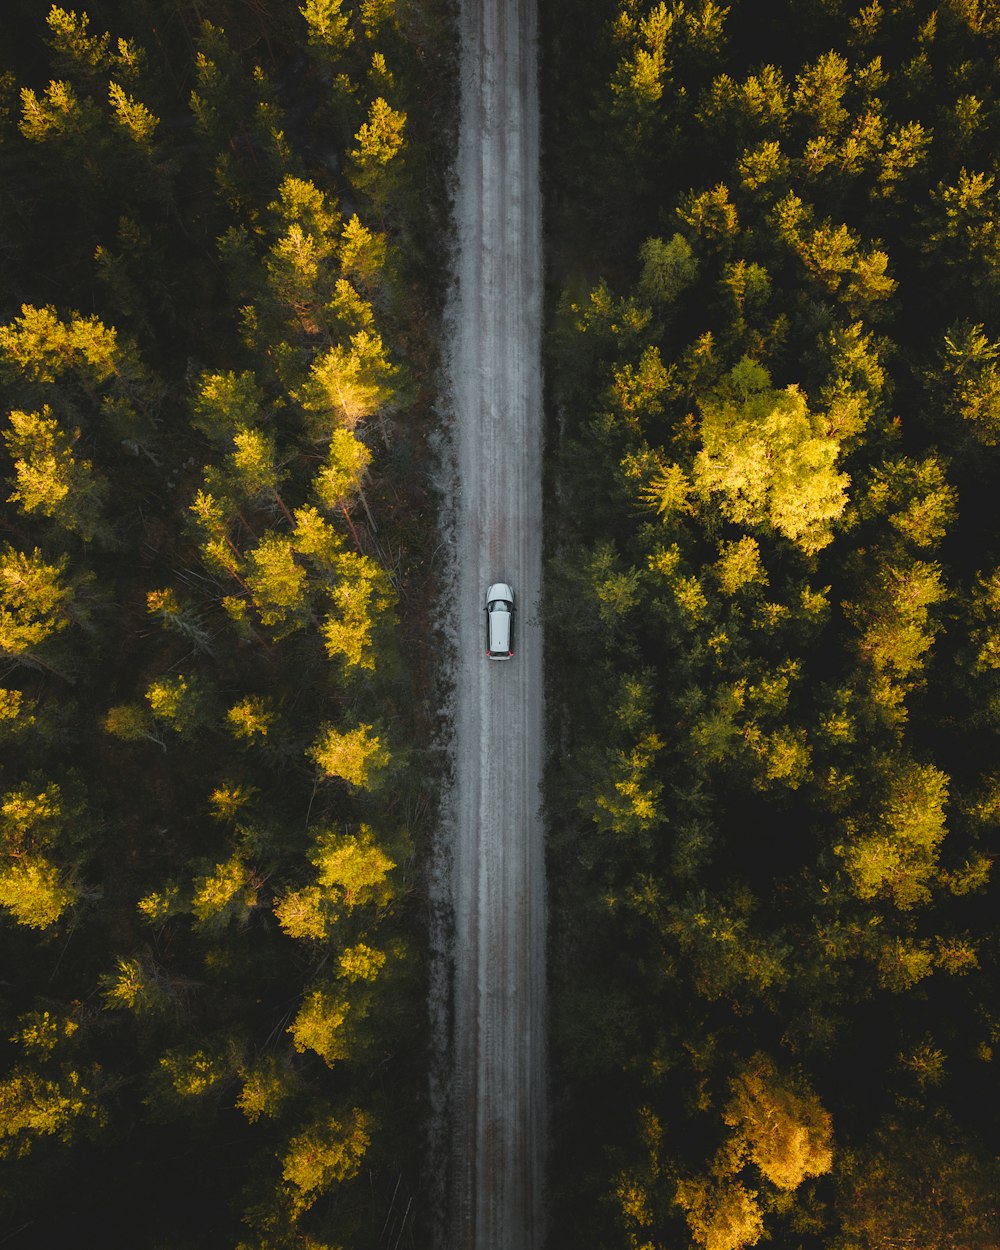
(499, 631)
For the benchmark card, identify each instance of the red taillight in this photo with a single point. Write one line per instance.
(509, 654)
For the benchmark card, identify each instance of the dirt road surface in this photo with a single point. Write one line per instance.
(496, 1094)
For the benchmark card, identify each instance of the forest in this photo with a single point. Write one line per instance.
(774, 391)
(772, 618)
(217, 359)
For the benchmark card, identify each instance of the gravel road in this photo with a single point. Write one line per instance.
(496, 1095)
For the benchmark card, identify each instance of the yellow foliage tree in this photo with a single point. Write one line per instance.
(224, 894)
(251, 718)
(348, 384)
(359, 597)
(49, 479)
(768, 460)
(895, 852)
(353, 756)
(266, 1086)
(192, 1073)
(786, 1128)
(32, 888)
(328, 26)
(277, 582)
(133, 117)
(34, 600)
(176, 701)
(319, 1025)
(723, 1215)
(328, 1152)
(379, 142)
(33, 1106)
(352, 871)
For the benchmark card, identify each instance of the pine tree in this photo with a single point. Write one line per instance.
(34, 601)
(50, 479)
(327, 1153)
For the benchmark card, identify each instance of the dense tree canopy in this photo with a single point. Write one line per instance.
(773, 553)
(217, 277)
(772, 611)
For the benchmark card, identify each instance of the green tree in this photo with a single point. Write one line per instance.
(254, 467)
(237, 117)
(41, 346)
(139, 986)
(729, 956)
(742, 112)
(175, 616)
(344, 470)
(60, 117)
(668, 268)
(918, 1182)
(819, 94)
(637, 391)
(834, 257)
(300, 263)
(132, 116)
(638, 80)
(359, 600)
(88, 57)
(969, 381)
(363, 254)
(712, 216)
(226, 403)
(130, 722)
(915, 496)
(963, 228)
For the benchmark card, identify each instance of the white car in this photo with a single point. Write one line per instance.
(499, 622)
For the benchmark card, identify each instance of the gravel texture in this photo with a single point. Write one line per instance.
(495, 1097)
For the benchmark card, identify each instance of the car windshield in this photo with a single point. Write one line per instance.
(498, 605)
